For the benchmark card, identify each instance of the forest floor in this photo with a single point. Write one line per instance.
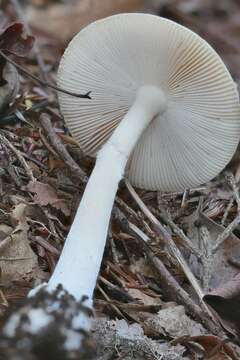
(169, 286)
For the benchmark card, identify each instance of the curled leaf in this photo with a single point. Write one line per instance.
(13, 41)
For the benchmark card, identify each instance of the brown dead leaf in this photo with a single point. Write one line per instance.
(9, 84)
(18, 214)
(13, 41)
(225, 301)
(45, 194)
(17, 259)
(173, 321)
(215, 348)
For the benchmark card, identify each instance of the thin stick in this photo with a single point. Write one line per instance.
(232, 226)
(43, 82)
(171, 287)
(228, 208)
(47, 145)
(168, 241)
(226, 233)
(185, 240)
(206, 258)
(19, 156)
(231, 180)
(60, 148)
(114, 307)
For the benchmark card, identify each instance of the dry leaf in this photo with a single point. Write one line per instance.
(13, 41)
(172, 321)
(225, 301)
(17, 259)
(215, 348)
(46, 195)
(9, 84)
(131, 342)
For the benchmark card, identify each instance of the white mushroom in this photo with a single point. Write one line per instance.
(164, 112)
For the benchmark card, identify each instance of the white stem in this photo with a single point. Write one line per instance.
(80, 261)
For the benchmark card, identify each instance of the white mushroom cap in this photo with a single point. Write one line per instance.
(198, 133)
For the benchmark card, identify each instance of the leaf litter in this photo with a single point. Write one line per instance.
(39, 194)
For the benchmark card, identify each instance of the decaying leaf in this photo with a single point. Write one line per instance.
(12, 42)
(9, 84)
(171, 321)
(45, 194)
(130, 342)
(221, 270)
(214, 347)
(225, 301)
(17, 259)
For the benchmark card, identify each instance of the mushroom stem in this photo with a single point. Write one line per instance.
(80, 261)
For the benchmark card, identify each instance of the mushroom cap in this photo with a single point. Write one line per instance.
(193, 140)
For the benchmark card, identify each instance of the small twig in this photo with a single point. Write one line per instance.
(33, 159)
(201, 190)
(168, 241)
(171, 287)
(14, 259)
(46, 245)
(47, 145)
(139, 232)
(185, 240)
(120, 291)
(131, 305)
(184, 198)
(4, 300)
(228, 208)
(231, 180)
(125, 206)
(114, 307)
(19, 156)
(182, 296)
(113, 248)
(232, 226)
(226, 233)
(43, 82)
(206, 256)
(60, 148)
